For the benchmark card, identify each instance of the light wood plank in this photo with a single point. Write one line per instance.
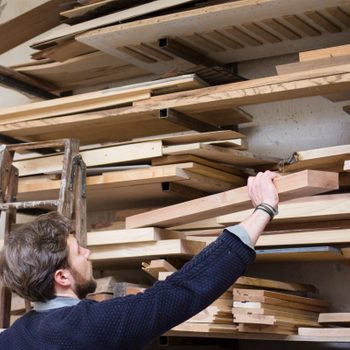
(324, 332)
(316, 208)
(290, 186)
(149, 250)
(336, 317)
(335, 51)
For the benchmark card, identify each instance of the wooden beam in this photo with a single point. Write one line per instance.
(290, 186)
(335, 318)
(29, 24)
(324, 332)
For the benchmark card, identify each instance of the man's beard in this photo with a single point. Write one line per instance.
(82, 287)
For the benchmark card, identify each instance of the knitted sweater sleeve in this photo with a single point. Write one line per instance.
(132, 322)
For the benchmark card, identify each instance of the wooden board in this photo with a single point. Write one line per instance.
(310, 209)
(266, 329)
(327, 158)
(107, 123)
(335, 51)
(145, 250)
(334, 318)
(290, 186)
(318, 253)
(135, 11)
(324, 332)
(304, 238)
(93, 100)
(150, 234)
(242, 293)
(95, 157)
(88, 70)
(258, 31)
(29, 24)
(273, 284)
(274, 320)
(220, 154)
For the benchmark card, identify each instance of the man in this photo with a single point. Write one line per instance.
(45, 264)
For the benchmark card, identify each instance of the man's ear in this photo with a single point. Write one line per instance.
(63, 277)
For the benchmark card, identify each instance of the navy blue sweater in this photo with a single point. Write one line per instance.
(131, 322)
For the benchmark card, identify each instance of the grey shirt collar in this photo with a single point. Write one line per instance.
(55, 303)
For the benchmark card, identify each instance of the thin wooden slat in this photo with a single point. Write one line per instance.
(282, 29)
(301, 25)
(267, 329)
(274, 320)
(291, 186)
(81, 10)
(347, 166)
(262, 33)
(323, 21)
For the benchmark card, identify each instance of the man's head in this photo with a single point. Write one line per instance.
(42, 259)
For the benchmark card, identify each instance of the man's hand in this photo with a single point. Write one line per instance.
(261, 189)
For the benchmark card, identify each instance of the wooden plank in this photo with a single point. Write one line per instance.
(94, 157)
(274, 320)
(311, 83)
(92, 100)
(273, 284)
(280, 303)
(82, 10)
(266, 329)
(29, 24)
(135, 11)
(334, 318)
(290, 186)
(303, 238)
(309, 209)
(312, 64)
(242, 293)
(320, 158)
(329, 52)
(324, 332)
(145, 250)
(318, 253)
(220, 154)
(149, 234)
(156, 266)
(83, 71)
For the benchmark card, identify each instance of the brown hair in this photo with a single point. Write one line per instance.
(32, 254)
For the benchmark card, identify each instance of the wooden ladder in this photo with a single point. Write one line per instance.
(71, 200)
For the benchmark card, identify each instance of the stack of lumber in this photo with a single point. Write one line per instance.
(265, 311)
(335, 325)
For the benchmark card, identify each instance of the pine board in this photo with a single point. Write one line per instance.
(310, 209)
(334, 318)
(335, 51)
(290, 186)
(145, 250)
(324, 332)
